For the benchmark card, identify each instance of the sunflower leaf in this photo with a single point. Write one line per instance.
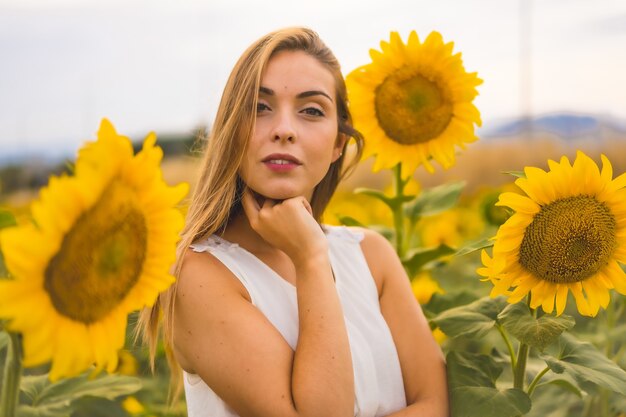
(467, 369)
(434, 200)
(441, 302)
(586, 364)
(374, 193)
(536, 332)
(472, 380)
(57, 399)
(417, 258)
(556, 398)
(475, 319)
(392, 202)
(517, 174)
(89, 406)
(474, 246)
(349, 221)
(564, 384)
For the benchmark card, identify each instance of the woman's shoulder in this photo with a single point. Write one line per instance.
(203, 271)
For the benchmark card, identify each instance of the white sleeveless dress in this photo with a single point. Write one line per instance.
(378, 381)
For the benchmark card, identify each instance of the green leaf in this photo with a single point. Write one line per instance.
(557, 398)
(474, 246)
(98, 407)
(435, 200)
(518, 174)
(538, 333)
(474, 319)
(473, 393)
(467, 369)
(564, 384)
(57, 399)
(586, 364)
(374, 193)
(7, 219)
(441, 302)
(349, 221)
(488, 402)
(417, 258)
(392, 202)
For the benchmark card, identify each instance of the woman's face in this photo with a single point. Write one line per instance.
(294, 139)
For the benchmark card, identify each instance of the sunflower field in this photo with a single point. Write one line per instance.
(523, 282)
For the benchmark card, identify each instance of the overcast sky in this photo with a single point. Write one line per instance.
(161, 65)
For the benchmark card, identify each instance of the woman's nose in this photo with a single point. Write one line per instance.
(284, 128)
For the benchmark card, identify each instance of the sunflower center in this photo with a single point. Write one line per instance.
(100, 259)
(569, 240)
(412, 108)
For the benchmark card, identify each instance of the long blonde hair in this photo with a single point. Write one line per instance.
(216, 198)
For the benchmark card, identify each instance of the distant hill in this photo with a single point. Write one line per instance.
(563, 125)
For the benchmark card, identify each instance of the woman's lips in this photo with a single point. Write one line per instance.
(281, 162)
(280, 165)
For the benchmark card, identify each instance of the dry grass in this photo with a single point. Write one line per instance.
(484, 162)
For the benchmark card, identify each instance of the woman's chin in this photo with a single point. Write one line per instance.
(278, 195)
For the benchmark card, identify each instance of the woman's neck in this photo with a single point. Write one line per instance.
(238, 230)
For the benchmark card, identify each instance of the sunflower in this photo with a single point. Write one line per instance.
(100, 246)
(568, 233)
(413, 102)
(424, 286)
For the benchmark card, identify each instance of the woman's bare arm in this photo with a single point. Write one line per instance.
(421, 359)
(222, 337)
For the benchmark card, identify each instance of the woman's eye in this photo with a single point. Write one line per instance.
(313, 111)
(261, 107)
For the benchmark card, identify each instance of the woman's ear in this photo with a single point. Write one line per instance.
(339, 145)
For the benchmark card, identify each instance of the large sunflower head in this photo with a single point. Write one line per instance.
(100, 246)
(413, 103)
(568, 233)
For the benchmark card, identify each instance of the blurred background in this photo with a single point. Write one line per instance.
(553, 74)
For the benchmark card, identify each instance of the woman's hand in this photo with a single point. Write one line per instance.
(287, 225)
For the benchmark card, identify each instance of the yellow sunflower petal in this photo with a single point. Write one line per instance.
(561, 298)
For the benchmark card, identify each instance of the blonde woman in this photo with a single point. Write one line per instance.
(274, 314)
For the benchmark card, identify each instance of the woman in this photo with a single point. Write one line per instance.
(273, 314)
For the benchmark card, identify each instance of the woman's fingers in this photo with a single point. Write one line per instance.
(307, 205)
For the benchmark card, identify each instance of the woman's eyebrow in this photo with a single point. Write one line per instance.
(304, 94)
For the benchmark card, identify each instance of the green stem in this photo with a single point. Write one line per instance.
(398, 212)
(533, 385)
(519, 374)
(610, 324)
(509, 346)
(520, 370)
(11, 379)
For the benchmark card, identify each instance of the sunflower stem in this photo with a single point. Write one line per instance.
(520, 368)
(509, 346)
(398, 212)
(519, 375)
(11, 378)
(533, 384)
(610, 324)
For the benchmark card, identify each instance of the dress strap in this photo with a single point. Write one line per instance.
(344, 233)
(213, 243)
